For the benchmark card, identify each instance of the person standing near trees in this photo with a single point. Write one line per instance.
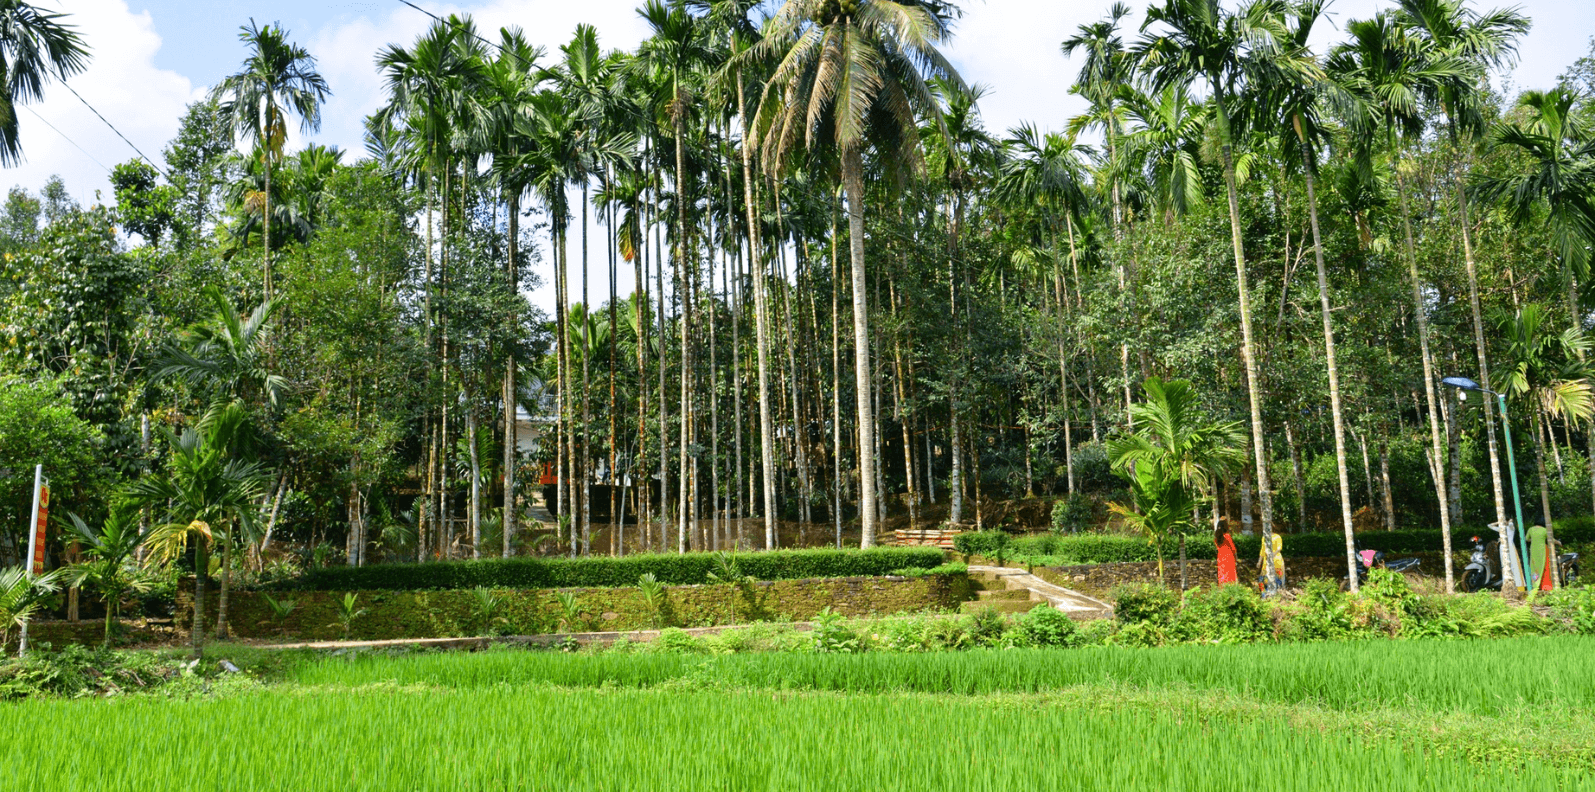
(1226, 555)
(1276, 582)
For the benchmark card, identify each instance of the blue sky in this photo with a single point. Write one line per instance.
(152, 57)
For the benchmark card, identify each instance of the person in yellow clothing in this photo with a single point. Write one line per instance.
(1264, 583)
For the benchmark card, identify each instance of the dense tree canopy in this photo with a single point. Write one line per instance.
(855, 306)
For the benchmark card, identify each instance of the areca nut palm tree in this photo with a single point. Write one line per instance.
(227, 356)
(679, 47)
(110, 567)
(35, 47)
(1048, 172)
(1301, 96)
(1171, 459)
(208, 495)
(1471, 43)
(1547, 374)
(511, 80)
(1199, 40)
(277, 78)
(850, 73)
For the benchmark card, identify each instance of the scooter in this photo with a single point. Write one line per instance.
(1483, 572)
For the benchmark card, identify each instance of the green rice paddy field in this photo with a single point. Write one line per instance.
(1389, 715)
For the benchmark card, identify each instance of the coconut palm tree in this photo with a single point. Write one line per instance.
(849, 75)
(35, 48)
(1171, 459)
(278, 78)
(1547, 374)
(1199, 40)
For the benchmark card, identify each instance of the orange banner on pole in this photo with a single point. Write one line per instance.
(38, 536)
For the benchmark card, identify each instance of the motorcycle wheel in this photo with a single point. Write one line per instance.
(1472, 581)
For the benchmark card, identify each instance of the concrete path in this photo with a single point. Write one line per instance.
(1071, 602)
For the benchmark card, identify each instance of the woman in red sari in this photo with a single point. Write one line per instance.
(1226, 555)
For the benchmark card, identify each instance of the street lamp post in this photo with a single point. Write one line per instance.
(1463, 383)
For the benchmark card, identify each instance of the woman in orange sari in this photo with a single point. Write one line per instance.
(1226, 556)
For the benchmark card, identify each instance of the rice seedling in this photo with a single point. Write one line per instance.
(397, 739)
(1436, 675)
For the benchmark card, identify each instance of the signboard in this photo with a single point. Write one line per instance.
(37, 542)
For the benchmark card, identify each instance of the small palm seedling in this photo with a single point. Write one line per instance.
(656, 598)
(347, 613)
(727, 571)
(570, 616)
(280, 609)
(485, 611)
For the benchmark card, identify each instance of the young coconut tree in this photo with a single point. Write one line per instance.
(1171, 459)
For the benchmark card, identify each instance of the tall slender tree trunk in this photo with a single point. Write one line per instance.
(853, 175)
(761, 323)
(585, 448)
(1325, 307)
(226, 589)
(684, 281)
(265, 214)
(836, 384)
(476, 484)
(508, 520)
(1248, 347)
(201, 572)
(1428, 370)
(1484, 379)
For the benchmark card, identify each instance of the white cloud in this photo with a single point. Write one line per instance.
(122, 82)
(346, 51)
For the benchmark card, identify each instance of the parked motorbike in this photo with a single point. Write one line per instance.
(1568, 562)
(1378, 561)
(1483, 572)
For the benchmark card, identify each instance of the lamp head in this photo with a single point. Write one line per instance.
(1461, 382)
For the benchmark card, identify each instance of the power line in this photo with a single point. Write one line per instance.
(68, 139)
(114, 129)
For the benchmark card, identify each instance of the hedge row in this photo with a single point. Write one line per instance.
(1107, 548)
(673, 569)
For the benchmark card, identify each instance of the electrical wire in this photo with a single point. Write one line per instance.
(68, 139)
(117, 131)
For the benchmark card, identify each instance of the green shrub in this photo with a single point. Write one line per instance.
(1045, 625)
(674, 640)
(992, 544)
(833, 636)
(987, 627)
(1073, 514)
(670, 569)
(954, 568)
(1322, 613)
(1576, 606)
(1144, 602)
(1226, 614)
